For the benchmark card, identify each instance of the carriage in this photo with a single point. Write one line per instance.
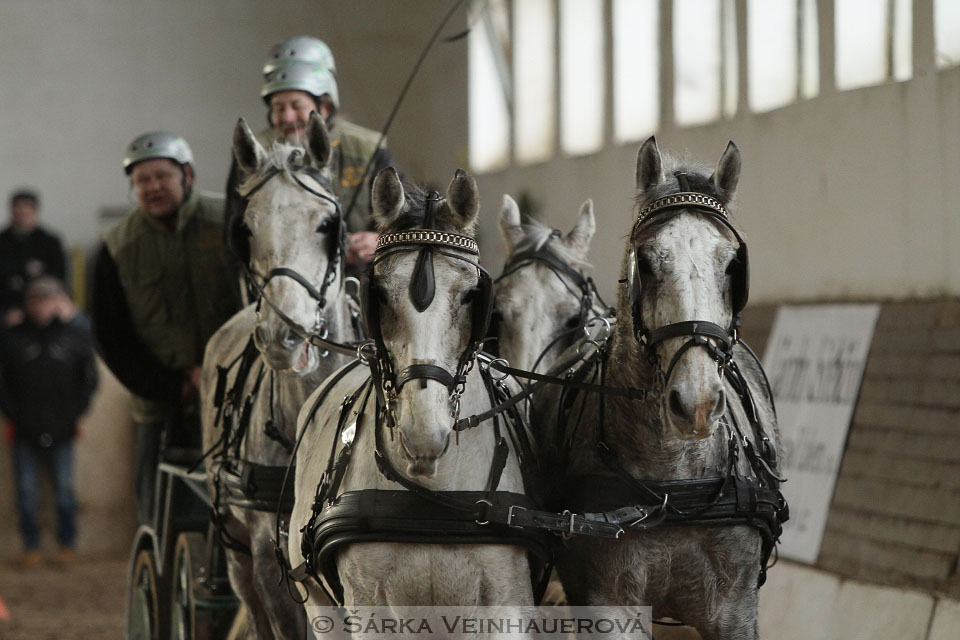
(178, 585)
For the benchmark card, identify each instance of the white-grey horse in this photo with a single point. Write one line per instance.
(682, 264)
(292, 228)
(543, 296)
(421, 445)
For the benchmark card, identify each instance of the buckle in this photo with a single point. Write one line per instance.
(569, 531)
(510, 515)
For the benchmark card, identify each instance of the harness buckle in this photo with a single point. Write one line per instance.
(489, 504)
(569, 532)
(510, 515)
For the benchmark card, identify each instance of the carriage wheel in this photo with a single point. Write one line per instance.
(143, 608)
(196, 613)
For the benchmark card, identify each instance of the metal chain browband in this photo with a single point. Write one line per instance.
(425, 236)
(682, 199)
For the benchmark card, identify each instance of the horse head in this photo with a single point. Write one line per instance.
(543, 299)
(296, 242)
(686, 275)
(426, 305)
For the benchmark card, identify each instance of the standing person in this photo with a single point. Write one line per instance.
(300, 77)
(47, 377)
(162, 287)
(27, 250)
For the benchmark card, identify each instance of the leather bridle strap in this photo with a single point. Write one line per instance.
(302, 281)
(426, 372)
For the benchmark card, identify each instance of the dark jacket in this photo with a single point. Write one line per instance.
(47, 377)
(17, 252)
(158, 296)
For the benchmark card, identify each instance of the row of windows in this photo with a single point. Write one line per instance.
(519, 49)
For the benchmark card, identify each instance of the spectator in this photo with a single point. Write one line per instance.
(26, 251)
(47, 377)
(162, 287)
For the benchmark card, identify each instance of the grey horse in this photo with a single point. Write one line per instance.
(681, 267)
(291, 228)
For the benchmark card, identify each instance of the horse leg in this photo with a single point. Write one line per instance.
(285, 615)
(240, 569)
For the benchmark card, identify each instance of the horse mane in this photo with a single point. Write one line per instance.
(698, 175)
(536, 233)
(280, 156)
(414, 212)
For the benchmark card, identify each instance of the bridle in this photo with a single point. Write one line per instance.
(427, 242)
(584, 290)
(332, 226)
(717, 341)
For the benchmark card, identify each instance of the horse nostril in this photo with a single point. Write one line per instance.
(676, 404)
(720, 407)
(291, 339)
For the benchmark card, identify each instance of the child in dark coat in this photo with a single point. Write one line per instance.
(47, 377)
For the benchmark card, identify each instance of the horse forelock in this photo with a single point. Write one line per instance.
(698, 176)
(414, 213)
(536, 234)
(281, 156)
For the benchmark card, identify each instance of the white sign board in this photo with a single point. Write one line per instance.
(814, 359)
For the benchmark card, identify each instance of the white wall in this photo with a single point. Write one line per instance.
(79, 80)
(850, 195)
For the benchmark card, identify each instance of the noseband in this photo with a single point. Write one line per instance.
(717, 341)
(335, 260)
(426, 242)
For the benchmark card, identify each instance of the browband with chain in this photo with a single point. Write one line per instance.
(427, 236)
(682, 199)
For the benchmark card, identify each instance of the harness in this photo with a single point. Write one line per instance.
(333, 226)
(417, 514)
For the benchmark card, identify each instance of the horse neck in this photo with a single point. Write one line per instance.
(290, 392)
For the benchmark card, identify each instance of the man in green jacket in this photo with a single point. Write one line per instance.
(162, 287)
(300, 77)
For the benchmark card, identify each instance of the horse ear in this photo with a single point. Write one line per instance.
(246, 149)
(727, 175)
(387, 197)
(510, 227)
(582, 233)
(463, 198)
(318, 140)
(649, 165)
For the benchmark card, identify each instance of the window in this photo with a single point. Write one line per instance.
(946, 36)
(701, 70)
(636, 65)
(772, 53)
(582, 84)
(489, 90)
(534, 42)
(873, 42)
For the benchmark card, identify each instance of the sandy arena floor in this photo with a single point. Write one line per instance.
(84, 601)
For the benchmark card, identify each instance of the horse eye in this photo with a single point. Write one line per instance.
(468, 296)
(325, 226)
(644, 267)
(573, 322)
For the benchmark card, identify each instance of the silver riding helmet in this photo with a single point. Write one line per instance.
(301, 76)
(157, 144)
(300, 49)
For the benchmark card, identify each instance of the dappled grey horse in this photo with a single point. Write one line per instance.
(685, 459)
(296, 262)
(378, 445)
